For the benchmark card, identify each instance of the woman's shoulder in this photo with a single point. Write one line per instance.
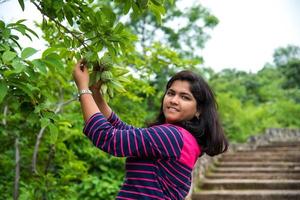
(168, 128)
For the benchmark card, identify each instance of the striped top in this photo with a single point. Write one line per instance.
(159, 160)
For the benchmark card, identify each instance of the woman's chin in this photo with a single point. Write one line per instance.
(171, 120)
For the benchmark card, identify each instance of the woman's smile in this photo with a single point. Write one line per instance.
(173, 109)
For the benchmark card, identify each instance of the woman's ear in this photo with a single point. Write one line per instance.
(197, 115)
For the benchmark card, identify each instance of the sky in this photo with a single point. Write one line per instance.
(245, 39)
(249, 31)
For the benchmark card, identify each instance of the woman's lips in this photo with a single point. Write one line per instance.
(173, 109)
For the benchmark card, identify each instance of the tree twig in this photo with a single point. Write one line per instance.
(17, 170)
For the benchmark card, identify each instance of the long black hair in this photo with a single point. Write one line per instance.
(207, 127)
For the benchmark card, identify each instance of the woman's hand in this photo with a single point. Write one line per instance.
(96, 86)
(81, 75)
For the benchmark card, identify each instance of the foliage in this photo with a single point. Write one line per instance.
(288, 61)
(250, 103)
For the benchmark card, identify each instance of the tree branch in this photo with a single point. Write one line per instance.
(41, 133)
(36, 149)
(50, 157)
(17, 170)
(4, 115)
(60, 25)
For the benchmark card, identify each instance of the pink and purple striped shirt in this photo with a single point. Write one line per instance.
(159, 160)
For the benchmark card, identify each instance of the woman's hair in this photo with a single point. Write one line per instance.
(207, 127)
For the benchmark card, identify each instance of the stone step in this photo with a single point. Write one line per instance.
(267, 151)
(254, 175)
(247, 195)
(292, 165)
(270, 172)
(238, 158)
(263, 153)
(258, 149)
(254, 169)
(253, 184)
(280, 144)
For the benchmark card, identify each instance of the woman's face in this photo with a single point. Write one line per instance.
(179, 103)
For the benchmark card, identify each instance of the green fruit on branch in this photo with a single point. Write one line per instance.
(106, 76)
(106, 61)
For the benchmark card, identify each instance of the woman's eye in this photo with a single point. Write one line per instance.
(185, 98)
(169, 93)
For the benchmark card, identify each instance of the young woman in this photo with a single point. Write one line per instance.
(160, 158)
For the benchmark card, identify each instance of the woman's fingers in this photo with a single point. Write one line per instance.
(81, 75)
(83, 63)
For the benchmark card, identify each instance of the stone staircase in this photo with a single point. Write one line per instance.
(268, 172)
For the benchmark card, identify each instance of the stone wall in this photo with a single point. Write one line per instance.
(271, 135)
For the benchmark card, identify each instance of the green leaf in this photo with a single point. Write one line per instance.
(118, 28)
(24, 88)
(53, 60)
(21, 2)
(158, 11)
(4, 47)
(50, 115)
(21, 28)
(53, 133)
(117, 86)
(109, 14)
(8, 56)
(91, 56)
(3, 90)
(127, 7)
(157, 2)
(6, 33)
(20, 21)
(143, 3)
(18, 66)
(136, 10)
(69, 13)
(44, 122)
(2, 24)
(27, 52)
(32, 32)
(171, 2)
(40, 65)
(65, 123)
(49, 51)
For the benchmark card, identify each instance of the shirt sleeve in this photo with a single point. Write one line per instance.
(117, 123)
(163, 141)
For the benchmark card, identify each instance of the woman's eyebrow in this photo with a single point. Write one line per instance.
(181, 93)
(185, 93)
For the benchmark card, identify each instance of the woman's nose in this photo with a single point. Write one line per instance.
(174, 100)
